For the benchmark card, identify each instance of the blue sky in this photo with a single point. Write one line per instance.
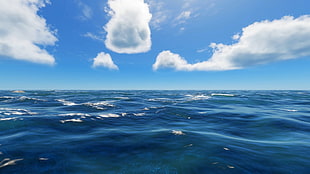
(155, 44)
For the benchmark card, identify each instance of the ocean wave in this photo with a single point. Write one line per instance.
(13, 111)
(177, 132)
(102, 103)
(25, 98)
(235, 138)
(121, 98)
(6, 97)
(290, 110)
(66, 103)
(78, 120)
(197, 97)
(6, 119)
(74, 114)
(139, 114)
(222, 94)
(109, 115)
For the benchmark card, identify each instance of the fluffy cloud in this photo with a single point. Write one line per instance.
(128, 29)
(22, 30)
(104, 60)
(259, 43)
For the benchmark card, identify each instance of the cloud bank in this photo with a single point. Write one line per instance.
(104, 60)
(22, 30)
(128, 30)
(259, 43)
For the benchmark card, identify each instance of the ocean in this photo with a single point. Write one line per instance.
(154, 132)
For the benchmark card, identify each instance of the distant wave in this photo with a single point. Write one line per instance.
(66, 103)
(197, 97)
(222, 94)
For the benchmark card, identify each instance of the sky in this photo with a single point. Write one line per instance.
(155, 44)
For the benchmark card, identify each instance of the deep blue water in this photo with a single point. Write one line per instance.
(155, 132)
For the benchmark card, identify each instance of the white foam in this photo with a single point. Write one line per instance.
(177, 132)
(23, 98)
(66, 103)
(122, 98)
(6, 97)
(221, 94)
(146, 109)
(6, 119)
(8, 162)
(103, 103)
(139, 114)
(290, 110)
(198, 97)
(71, 120)
(74, 114)
(159, 99)
(13, 111)
(109, 115)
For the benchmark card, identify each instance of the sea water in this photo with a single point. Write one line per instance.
(154, 132)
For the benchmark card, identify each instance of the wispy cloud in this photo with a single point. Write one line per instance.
(184, 15)
(22, 30)
(177, 13)
(104, 60)
(128, 29)
(259, 43)
(87, 12)
(93, 36)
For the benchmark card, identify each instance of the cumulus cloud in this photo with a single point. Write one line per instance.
(104, 60)
(22, 30)
(259, 43)
(128, 30)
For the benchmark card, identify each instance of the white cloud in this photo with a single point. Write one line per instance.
(104, 60)
(87, 12)
(128, 30)
(259, 43)
(166, 59)
(185, 15)
(22, 30)
(93, 36)
(178, 12)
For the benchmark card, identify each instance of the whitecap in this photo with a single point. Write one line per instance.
(222, 94)
(74, 114)
(177, 132)
(122, 98)
(198, 97)
(6, 97)
(123, 114)
(146, 109)
(8, 162)
(139, 114)
(290, 110)
(6, 119)
(102, 103)
(71, 120)
(66, 103)
(159, 99)
(13, 111)
(23, 98)
(109, 115)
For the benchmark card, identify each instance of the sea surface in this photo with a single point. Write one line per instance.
(154, 132)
